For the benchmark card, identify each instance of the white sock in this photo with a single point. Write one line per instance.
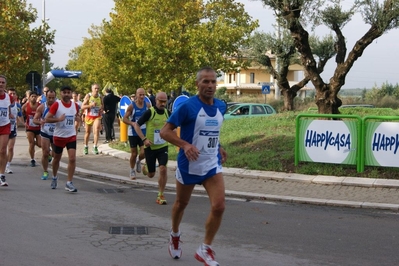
(8, 164)
(175, 234)
(204, 246)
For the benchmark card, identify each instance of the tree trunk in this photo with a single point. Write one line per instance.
(327, 100)
(289, 97)
(289, 93)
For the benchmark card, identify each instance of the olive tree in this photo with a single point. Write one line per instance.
(381, 16)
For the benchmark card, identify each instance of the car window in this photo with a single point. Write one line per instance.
(244, 110)
(269, 110)
(231, 108)
(258, 110)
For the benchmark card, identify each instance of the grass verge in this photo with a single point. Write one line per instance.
(267, 143)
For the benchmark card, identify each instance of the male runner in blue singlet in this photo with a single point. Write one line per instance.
(199, 160)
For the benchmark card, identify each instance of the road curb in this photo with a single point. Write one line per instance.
(280, 176)
(327, 180)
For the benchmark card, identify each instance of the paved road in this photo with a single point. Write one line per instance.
(55, 227)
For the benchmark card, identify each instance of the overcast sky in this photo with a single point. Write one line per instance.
(71, 19)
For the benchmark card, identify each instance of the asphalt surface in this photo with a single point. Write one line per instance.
(350, 192)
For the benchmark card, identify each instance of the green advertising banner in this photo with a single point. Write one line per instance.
(381, 144)
(328, 141)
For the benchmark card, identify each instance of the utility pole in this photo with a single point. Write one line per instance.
(276, 88)
(44, 47)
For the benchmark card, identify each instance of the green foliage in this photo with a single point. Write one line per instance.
(161, 46)
(335, 16)
(278, 105)
(367, 111)
(264, 45)
(364, 93)
(221, 94)
(388, 102)
(387, 90)
(323, 48)
(384, 15)
(22, 47)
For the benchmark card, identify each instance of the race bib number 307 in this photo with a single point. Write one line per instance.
(208, 141)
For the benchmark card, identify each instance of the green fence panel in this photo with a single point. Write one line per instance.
(329, 141)
(381, 141)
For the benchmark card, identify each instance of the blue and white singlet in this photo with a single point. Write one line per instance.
(136, 114)
(200, 125)
(47, 128)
